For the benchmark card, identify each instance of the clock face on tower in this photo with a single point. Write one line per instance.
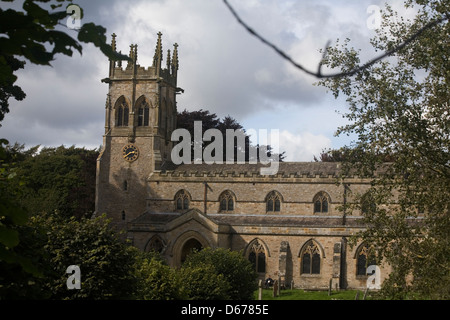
(130, 152)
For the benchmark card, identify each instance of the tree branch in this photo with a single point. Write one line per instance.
(319, 74)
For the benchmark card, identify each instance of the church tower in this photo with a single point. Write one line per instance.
(140, 115)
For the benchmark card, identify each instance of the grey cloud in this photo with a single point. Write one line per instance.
(222, 67)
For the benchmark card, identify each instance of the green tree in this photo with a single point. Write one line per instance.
(202, 282)
(106, 262)
(186, 119)
(156, 280)
(32, 34)
(60, 180)
(15, 261)
(400, 107)
(236, 270)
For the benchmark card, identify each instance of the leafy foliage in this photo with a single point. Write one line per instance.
(237, 271)
(32, 34)
(202, 282)
(399, 107)
(14, 257)
(156, 280)
(105, 261)
(60, 180)
(186, 119)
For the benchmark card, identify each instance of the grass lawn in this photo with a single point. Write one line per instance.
(297, 294)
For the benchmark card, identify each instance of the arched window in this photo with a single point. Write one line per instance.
(182, 200)
(321, 201)
(226, 201)
(257, 256)
(122, 111)
(273, 202)
(143, 114)
(368, 203)
(155, 244)
(365, 256)
(310, 257)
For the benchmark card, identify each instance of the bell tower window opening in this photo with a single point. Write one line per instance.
(123, 112)
(143, 115)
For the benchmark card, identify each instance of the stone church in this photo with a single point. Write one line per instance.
(288, 224)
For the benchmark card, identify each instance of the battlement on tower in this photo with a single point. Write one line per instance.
(129, 69)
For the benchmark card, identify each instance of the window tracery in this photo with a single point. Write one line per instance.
(123, 112)
(257, 256)
(182, 200)
(226, 201)
(321, 202)
(311, 258)
(273, 202)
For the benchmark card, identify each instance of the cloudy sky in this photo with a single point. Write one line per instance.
(222, 69)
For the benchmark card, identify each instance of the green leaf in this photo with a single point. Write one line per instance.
(91, 33)
(8, 237)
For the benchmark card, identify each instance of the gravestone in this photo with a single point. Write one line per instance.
(275, 288)
(260, 290)
(282, 263)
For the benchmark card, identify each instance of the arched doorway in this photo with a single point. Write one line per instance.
(188, 247)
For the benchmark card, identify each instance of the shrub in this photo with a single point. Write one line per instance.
(202, 282)
(156, 280)
(236, 270)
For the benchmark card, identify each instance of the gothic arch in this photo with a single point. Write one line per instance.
(187, 239)
(155, 243)
(257, 252)
(227, 201)
(251, 243)
(311, 257)
(273, 200)
(122, 109)
(365, 255)
(367, 202)
(321, 202)
(182, 200)
(142, 111)
(322, 251)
